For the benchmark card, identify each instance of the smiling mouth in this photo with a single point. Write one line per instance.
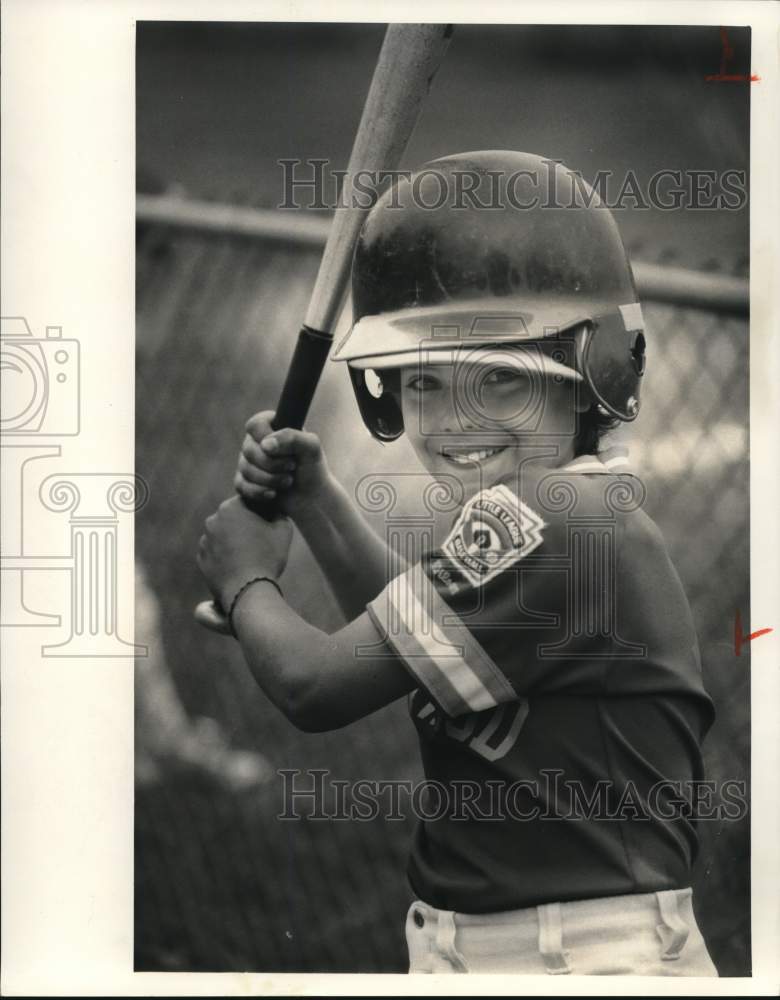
(460, 456)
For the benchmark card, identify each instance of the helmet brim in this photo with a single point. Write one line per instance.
(463, 325)
(521, 358)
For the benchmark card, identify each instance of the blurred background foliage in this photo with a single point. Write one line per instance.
(221, 883)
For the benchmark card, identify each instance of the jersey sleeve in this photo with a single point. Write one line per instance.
(518, 598)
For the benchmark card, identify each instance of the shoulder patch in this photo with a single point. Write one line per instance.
(493, 530)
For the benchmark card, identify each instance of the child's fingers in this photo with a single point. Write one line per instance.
(256, 455)
(262, 477)
(301, 444)
(250, 491)
(255, 491)
(259, 425)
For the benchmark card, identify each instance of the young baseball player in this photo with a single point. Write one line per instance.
(546, 645)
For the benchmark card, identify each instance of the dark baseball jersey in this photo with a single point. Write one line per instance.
(560, 706)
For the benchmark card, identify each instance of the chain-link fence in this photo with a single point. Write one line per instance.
(221, 883)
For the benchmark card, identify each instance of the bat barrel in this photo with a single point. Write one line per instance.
(408, 60)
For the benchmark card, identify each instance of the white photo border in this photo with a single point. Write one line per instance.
(68, 115)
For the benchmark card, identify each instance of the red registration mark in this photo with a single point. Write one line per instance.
(726, 55)
(740, 639)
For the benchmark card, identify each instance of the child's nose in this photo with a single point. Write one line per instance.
(460, 424)
(453, 420)
(458, 418)
(438, 413)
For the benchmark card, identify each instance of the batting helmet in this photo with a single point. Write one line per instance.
(485, 255)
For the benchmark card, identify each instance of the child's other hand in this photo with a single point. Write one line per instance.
(286, 463)
(238, 545)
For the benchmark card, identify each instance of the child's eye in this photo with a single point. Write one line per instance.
(502, 376)
(423, 383)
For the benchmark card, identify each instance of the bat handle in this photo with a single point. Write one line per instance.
(309, 357)
(308, 360)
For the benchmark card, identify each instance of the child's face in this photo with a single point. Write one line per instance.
(478, 422)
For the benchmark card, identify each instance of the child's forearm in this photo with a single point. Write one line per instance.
(278, 646)
(318, 681)
(355, 561)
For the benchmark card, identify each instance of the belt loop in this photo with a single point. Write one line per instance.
(551, 939)
(673, 929)
(445, 939)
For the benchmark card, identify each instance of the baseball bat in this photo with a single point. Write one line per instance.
(408, 61)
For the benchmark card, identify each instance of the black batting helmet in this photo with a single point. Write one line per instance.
(488, 252)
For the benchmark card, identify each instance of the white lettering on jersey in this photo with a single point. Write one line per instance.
(478, 729)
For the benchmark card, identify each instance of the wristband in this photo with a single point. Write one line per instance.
(241, 590)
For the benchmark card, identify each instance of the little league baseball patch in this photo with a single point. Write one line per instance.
(493, 530)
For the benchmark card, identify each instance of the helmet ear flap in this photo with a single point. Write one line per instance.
(379, 403)
(611, 357)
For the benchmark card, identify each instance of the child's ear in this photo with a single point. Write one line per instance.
(583, 397)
